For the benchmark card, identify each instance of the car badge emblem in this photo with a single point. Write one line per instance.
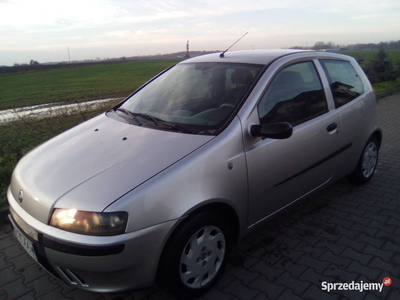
(20, 196)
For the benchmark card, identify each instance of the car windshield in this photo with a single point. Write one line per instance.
(191, 97)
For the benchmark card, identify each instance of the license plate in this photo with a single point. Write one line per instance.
(25, 242)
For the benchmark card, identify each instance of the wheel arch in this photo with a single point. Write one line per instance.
(225, 210)
(221, 209)
(378, 135)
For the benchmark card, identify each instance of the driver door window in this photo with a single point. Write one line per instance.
(295, 95)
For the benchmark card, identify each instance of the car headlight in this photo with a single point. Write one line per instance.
(92, 223)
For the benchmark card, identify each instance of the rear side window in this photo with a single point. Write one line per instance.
(345, 83)
(295, 95)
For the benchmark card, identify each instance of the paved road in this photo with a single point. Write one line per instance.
(341, 234)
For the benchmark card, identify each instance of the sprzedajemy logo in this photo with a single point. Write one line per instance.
(356, 286)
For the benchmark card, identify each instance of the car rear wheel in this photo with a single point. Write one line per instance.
(367, 163)
(195, 255)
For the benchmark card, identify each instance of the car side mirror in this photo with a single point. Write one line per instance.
(278, 130)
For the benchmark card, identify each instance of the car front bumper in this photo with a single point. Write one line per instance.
(95, 263)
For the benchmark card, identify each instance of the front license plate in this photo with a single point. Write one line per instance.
(25, 242)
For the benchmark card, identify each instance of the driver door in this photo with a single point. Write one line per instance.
(283, 171)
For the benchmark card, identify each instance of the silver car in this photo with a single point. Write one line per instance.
(160, 186)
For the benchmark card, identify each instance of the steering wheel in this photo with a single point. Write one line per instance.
(227, 104)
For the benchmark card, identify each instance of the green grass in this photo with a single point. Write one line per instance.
(386, 86)
(62, 85)
(368, 55)
(78, 83)
(103, 81)
(17, 138)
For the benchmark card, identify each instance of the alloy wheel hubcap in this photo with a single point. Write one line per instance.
(202, 257)
(369, 159)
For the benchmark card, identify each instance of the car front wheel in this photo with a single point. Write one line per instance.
(195, 255)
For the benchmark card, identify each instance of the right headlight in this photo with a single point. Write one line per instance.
(91, 223)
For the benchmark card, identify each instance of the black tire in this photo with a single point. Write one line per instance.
(201, 243)
(367, 163)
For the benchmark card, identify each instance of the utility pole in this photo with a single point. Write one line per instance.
(187, 50)
(69, 56)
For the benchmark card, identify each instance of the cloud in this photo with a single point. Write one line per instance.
(95, 13)
(366, 17)
(48, 12)
(143, 35)
(208, 24)
(118, 33)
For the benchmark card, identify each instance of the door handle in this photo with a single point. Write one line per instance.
(331, 127)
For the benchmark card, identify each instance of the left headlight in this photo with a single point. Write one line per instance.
(91, 223)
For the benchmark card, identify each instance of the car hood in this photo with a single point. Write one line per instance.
(94, 164)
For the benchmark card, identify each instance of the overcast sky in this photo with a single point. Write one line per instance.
(43, 30)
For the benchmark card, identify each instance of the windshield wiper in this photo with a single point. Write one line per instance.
(157, 121)
(131, 114)
(163, 123)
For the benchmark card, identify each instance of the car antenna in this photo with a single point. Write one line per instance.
(222, 54)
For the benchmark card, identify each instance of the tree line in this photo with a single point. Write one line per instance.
(320, 45)
(381, 68)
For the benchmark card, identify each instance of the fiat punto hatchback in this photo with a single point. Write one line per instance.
(160, 186)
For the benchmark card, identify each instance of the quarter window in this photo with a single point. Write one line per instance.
(295, 95)
(344, 81)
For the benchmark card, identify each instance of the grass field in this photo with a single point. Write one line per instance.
(387, 86)
(17, 138)
(77, 84)
(367, 55)
(80, 84)
(364, 57)
(62, 85)
(107, 80)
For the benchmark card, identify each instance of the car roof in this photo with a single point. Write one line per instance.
(263, 57)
